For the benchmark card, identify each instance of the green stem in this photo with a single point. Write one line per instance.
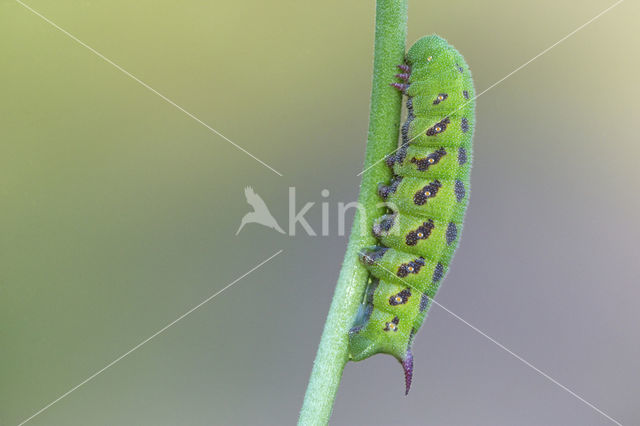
(384, 123)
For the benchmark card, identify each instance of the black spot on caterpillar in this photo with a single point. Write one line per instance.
(438, 272)
(412, 267)
(422, 233)
(423, 164)
(392, 325)
(459, 190)
(438, 127)
(462, 156)
(464, 125)
(441, 97)
(452, 233)
(419, 233)
(400, 298)
(427, 192)
(424, 302)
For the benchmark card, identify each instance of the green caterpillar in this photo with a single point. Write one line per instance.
(427, 199)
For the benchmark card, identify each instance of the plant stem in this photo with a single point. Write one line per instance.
(384, 123)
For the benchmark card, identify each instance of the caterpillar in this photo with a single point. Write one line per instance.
(426, 201)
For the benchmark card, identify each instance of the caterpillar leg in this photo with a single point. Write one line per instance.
(404, 76)
(400, 86)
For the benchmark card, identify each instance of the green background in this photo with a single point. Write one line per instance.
(118, 213)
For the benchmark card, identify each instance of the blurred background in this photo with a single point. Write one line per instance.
(118, 213)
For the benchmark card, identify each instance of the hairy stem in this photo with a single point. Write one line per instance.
(384, 123)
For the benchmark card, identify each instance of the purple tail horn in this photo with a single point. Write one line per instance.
(407, 364)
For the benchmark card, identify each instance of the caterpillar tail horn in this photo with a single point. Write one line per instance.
(407, 365)
(362, 347)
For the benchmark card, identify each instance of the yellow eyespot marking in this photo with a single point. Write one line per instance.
(392, 326)
(410, 268)
(429, 58)
(438, 128)
(440, 97)
(420, 234)
(398, 299)
(431, 160)
(427, 193)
